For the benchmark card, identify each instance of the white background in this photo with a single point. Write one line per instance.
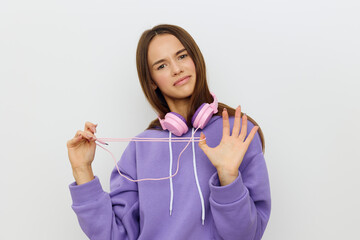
(292, 65)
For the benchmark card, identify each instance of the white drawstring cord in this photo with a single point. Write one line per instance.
(197, 183)
(170, 174)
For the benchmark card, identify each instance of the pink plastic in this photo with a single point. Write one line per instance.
(174, 124)
(177, 125)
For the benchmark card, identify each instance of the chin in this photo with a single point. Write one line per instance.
(186, 92)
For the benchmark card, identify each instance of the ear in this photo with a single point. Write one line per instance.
(153, 85)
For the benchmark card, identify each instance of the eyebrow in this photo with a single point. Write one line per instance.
(162, 60)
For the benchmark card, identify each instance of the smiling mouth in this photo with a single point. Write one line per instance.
(181, 80)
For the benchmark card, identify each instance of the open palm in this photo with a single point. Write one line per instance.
(229, 154)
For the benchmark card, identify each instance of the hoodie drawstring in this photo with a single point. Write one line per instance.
(197, 183)
(196, 179)
(170, 173)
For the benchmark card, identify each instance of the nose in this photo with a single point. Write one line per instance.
(176, 68)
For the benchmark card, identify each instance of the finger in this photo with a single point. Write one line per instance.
(85, 135)
(243, 128)
(236, 127)
(90, 127)
(226, 124)
(251, 135)
(202, 143)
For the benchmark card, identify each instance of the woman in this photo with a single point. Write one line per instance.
(221, 190)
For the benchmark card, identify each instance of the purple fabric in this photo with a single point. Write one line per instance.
(240, 210)
(196, 113)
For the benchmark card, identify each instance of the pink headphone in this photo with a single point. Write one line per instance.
(176, 123)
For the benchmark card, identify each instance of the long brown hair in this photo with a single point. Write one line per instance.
(201, 92)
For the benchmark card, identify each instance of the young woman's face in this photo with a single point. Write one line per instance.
(171, 68)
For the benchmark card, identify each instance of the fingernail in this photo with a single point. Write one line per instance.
(224, 110)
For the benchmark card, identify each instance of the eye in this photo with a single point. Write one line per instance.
(161, 67)
(183, 56)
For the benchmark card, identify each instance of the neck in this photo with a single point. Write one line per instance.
(179, 106)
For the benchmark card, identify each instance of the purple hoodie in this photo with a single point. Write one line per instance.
(191, 205)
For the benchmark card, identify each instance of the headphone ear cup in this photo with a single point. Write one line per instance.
(175, 123)
(202, 116)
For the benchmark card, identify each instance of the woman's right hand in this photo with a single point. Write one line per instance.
(81, 151)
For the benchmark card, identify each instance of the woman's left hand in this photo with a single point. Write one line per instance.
(229, 154)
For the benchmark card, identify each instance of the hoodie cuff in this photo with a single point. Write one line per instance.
(229, 193)
(86, 192)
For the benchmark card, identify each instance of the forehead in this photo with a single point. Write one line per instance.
(162, 46)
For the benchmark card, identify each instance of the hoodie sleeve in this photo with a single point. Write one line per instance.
(113, 215)
(241, 210)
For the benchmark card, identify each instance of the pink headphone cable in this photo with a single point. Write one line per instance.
(136, 139)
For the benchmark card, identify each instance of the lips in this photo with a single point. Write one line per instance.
(182, 80)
